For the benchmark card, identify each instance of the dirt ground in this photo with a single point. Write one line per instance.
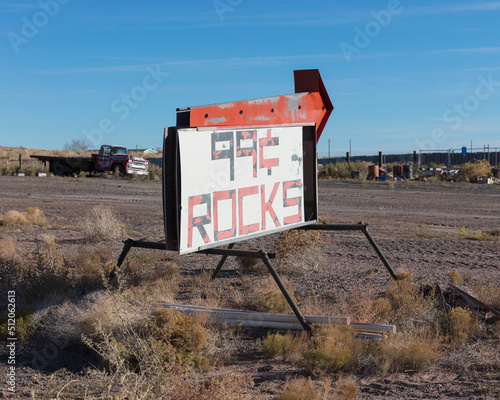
(416, 224)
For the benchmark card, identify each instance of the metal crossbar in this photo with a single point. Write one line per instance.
(264, 256)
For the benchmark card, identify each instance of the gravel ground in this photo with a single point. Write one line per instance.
(415, 224)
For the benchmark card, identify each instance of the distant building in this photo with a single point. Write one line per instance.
(145, 151)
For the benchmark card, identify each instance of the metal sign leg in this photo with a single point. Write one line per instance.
(291, 302)
(221, 263)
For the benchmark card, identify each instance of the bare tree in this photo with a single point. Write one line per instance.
(77, 144)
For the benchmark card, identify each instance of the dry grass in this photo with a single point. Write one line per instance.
(403, 275)
(409, 302)
(270, 299)
(459, 324)
(332, 350)
(414, 351)
(346, 389)
(286, 346)
(363, 307)
(303, 389)
(298, 251)
(31, 217)
(488, 294)
(343, 170)
(478, 235)
(455, 278)
(9, 251)
(100, 225)
(155, 355)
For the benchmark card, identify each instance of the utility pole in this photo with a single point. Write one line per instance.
(329, 148)
(350, 151)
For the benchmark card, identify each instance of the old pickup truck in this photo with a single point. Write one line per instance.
(109, 158)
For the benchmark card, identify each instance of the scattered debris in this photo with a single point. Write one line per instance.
(456, 297)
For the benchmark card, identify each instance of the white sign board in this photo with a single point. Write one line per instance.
(237, 184)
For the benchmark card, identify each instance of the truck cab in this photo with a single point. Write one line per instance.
(116, 158)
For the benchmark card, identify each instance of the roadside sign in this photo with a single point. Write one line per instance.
(238, 170)
(239, 183)
(464, 150)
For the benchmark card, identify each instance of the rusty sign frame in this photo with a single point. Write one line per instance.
(309, 107)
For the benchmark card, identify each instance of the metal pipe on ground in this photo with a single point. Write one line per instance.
(271, 320)
(251, 315)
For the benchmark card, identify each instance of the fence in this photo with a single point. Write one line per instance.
(158, 161)
(447, 158)
(21, 162)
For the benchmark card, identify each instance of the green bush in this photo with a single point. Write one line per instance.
(23, 323)
(332, 350)
(284, 346)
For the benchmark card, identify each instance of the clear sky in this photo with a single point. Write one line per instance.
(402, 75)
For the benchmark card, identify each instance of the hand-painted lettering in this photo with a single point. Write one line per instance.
(267, 207)
(222, 148)
(247, 151)
(248, 191)
(268, 162)
(198, 221)
(294, 201)
(225, 195)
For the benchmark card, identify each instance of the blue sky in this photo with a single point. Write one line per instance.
(402, 75)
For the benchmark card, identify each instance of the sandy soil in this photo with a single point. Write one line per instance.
(416, 225)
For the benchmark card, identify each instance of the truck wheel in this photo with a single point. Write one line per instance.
(58, 168)
(119, 169)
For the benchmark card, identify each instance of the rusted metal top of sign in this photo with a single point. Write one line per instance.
(309, 104)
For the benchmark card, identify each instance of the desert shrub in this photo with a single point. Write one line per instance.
(415, 350)
(144, 267)
(89, 267)
(478, 235)
(459, 324)
(270, 299)
(488, 294)
(286, 346)
(155, 173)
(332, 350)
(303, 389)
(455, 277)
(408, 301)
(377, 311)
(346, 389)
(9, 169)
(36, 275)
(11, 263)
(32, 216)
(471, 170)
(100, 225)
(273, 302)
(298, 250)
(44, 275)
(158, 352)
(343, 170)
(403, 275)
(252, 265)
(181, 330)
(23, 323)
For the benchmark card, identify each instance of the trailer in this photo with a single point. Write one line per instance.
(109, 158)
